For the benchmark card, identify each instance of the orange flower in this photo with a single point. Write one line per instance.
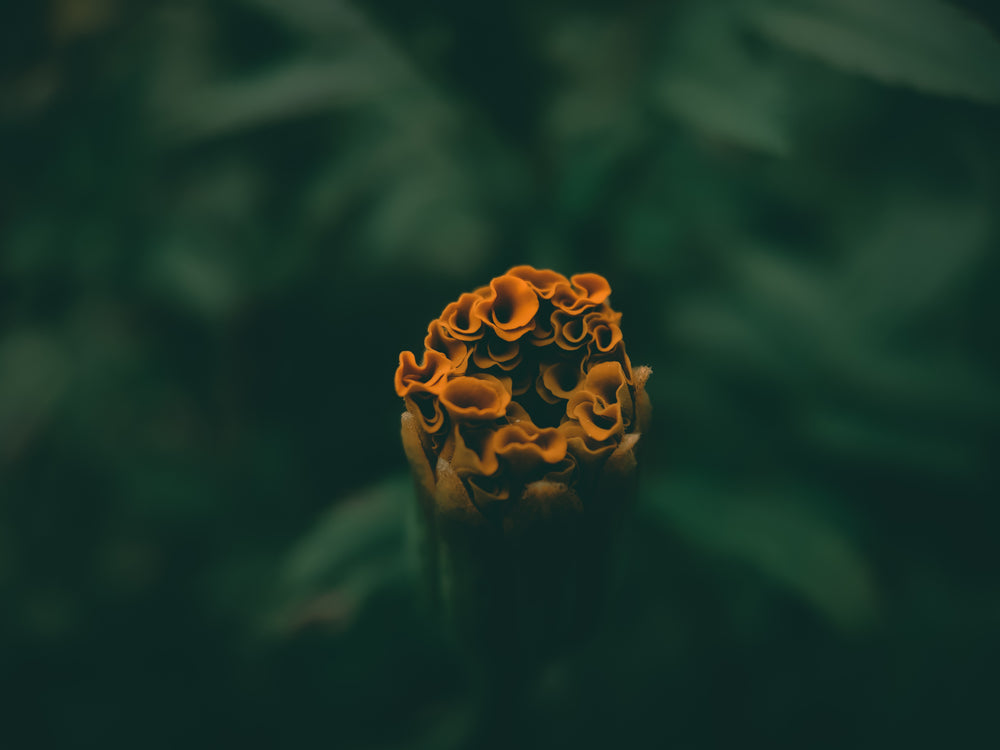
(521, 426)
(489, 417)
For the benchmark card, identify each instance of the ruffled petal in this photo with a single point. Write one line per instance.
(602, 403)
(496, 352)
(617, 354)
(509, 308)
(517, 413)
(440, 339)
(606, 380)
(475, 398)
(587, 450)
(525, 447)
(600, 422)
(462, 318)
(585, 291)
(427, 377)
(542, 280)
(570, 330)
(474, 454)
(595, 287)
(563, 471)
(544, 333)
(558, 380)
(604, 332)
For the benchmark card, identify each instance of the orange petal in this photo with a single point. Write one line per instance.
(594, 356)
(604, 333)
(567, 300)
(510, 307)
(584, 448)
(564, 470)
(595, 287)
(604, 380)
(475, 398)
(495, 352)
(543, 281)
(517, 413)
(428, 376)
(570, 331)
(587, 290)
(474, 454)
(524, 446)
(558, 380)
(462, 319)
(598, 403)
(440, 339)
(501, 351)
(599, 422)
(544, 333)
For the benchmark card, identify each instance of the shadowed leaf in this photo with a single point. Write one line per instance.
(778, 534)
(924, 44)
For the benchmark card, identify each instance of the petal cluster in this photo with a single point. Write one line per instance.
(522, 381)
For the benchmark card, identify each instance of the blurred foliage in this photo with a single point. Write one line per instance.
(220, 222)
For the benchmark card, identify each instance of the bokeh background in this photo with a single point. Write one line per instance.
(220, 222)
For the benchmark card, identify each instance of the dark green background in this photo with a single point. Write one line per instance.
(221, 222)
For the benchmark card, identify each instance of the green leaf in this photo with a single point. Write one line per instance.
(726, 109)
(311, 17)
(353, 529)
(779, 534)
(296, 89)
(355, 550)
(803, 324)
(35, 372)
(922, 249)
(194, 280)
(867, 439)
(923, 44)
(716, 86)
